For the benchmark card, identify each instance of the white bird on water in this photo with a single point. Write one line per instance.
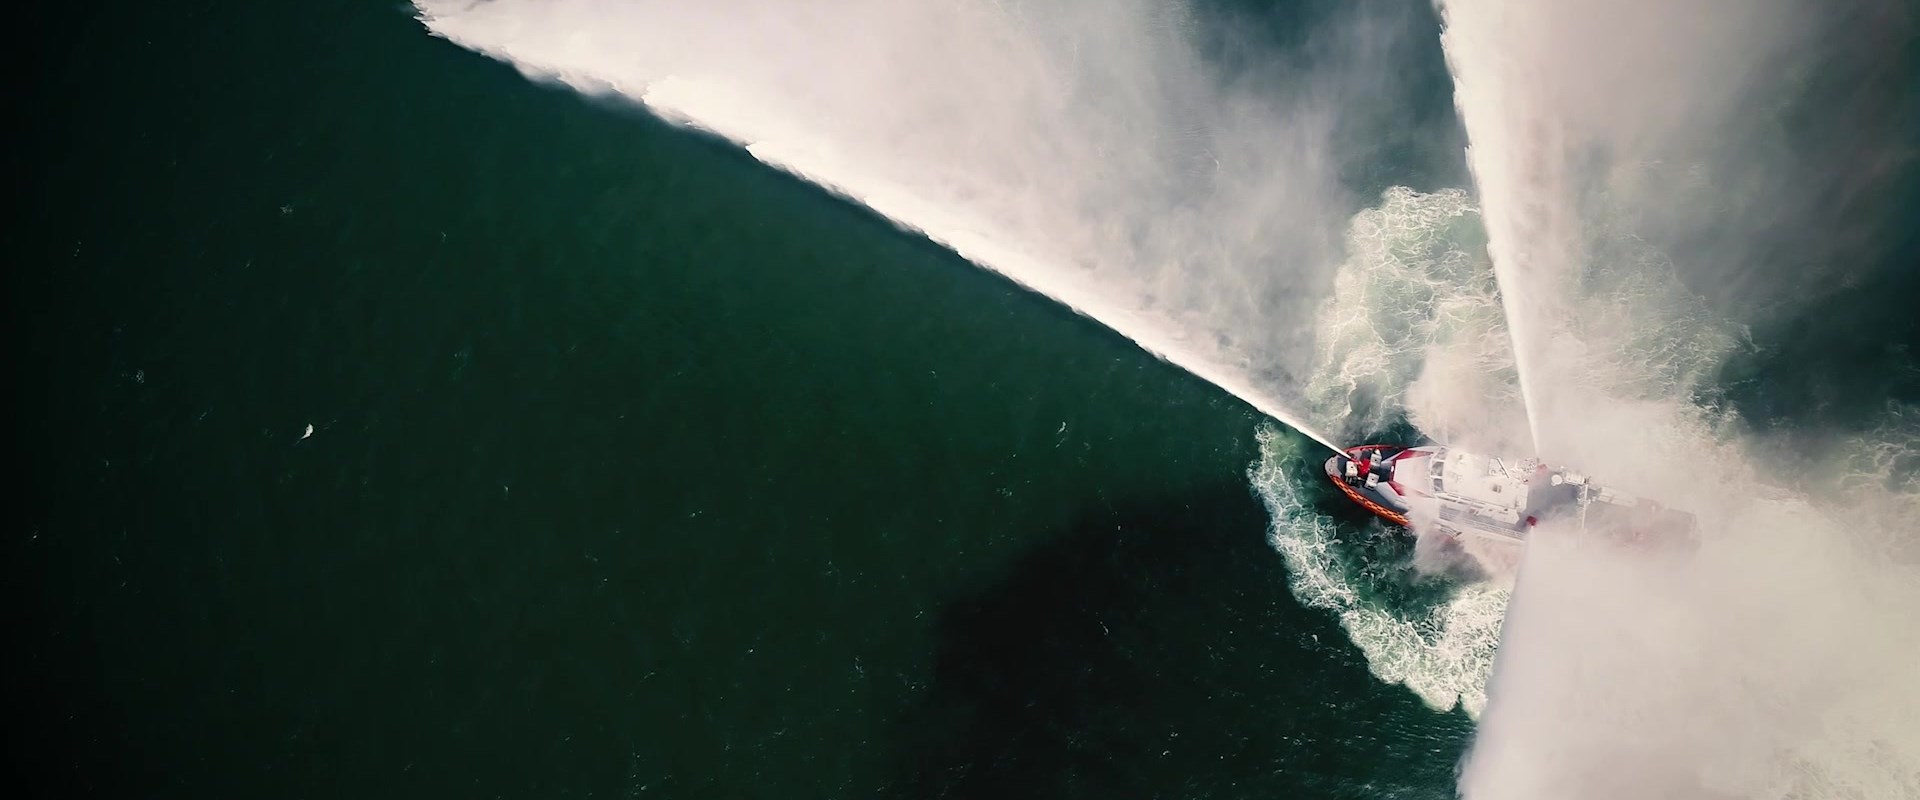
(303, 437)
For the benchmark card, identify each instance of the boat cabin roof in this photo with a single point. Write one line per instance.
(1484, 480)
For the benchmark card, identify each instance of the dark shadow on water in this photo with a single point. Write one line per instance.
(1153, 649)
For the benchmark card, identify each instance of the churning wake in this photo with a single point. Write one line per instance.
(1442, 652)
(1413, 330)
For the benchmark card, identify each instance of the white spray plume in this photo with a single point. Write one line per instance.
(1773, 662)
(1089, 149)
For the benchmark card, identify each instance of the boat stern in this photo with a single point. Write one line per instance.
(1365, 475)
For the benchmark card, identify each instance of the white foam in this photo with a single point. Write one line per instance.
(1414, 326)
(1443, 655)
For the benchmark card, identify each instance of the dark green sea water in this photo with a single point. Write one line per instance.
(637, 469)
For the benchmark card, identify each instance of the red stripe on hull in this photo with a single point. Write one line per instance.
(1385, 513)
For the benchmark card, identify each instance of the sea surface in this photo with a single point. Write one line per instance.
(392, 425)
(637, 469)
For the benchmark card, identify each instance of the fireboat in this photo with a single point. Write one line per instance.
(1434, 487)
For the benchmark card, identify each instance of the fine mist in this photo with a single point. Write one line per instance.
(1659, 180)
(1177, 176)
